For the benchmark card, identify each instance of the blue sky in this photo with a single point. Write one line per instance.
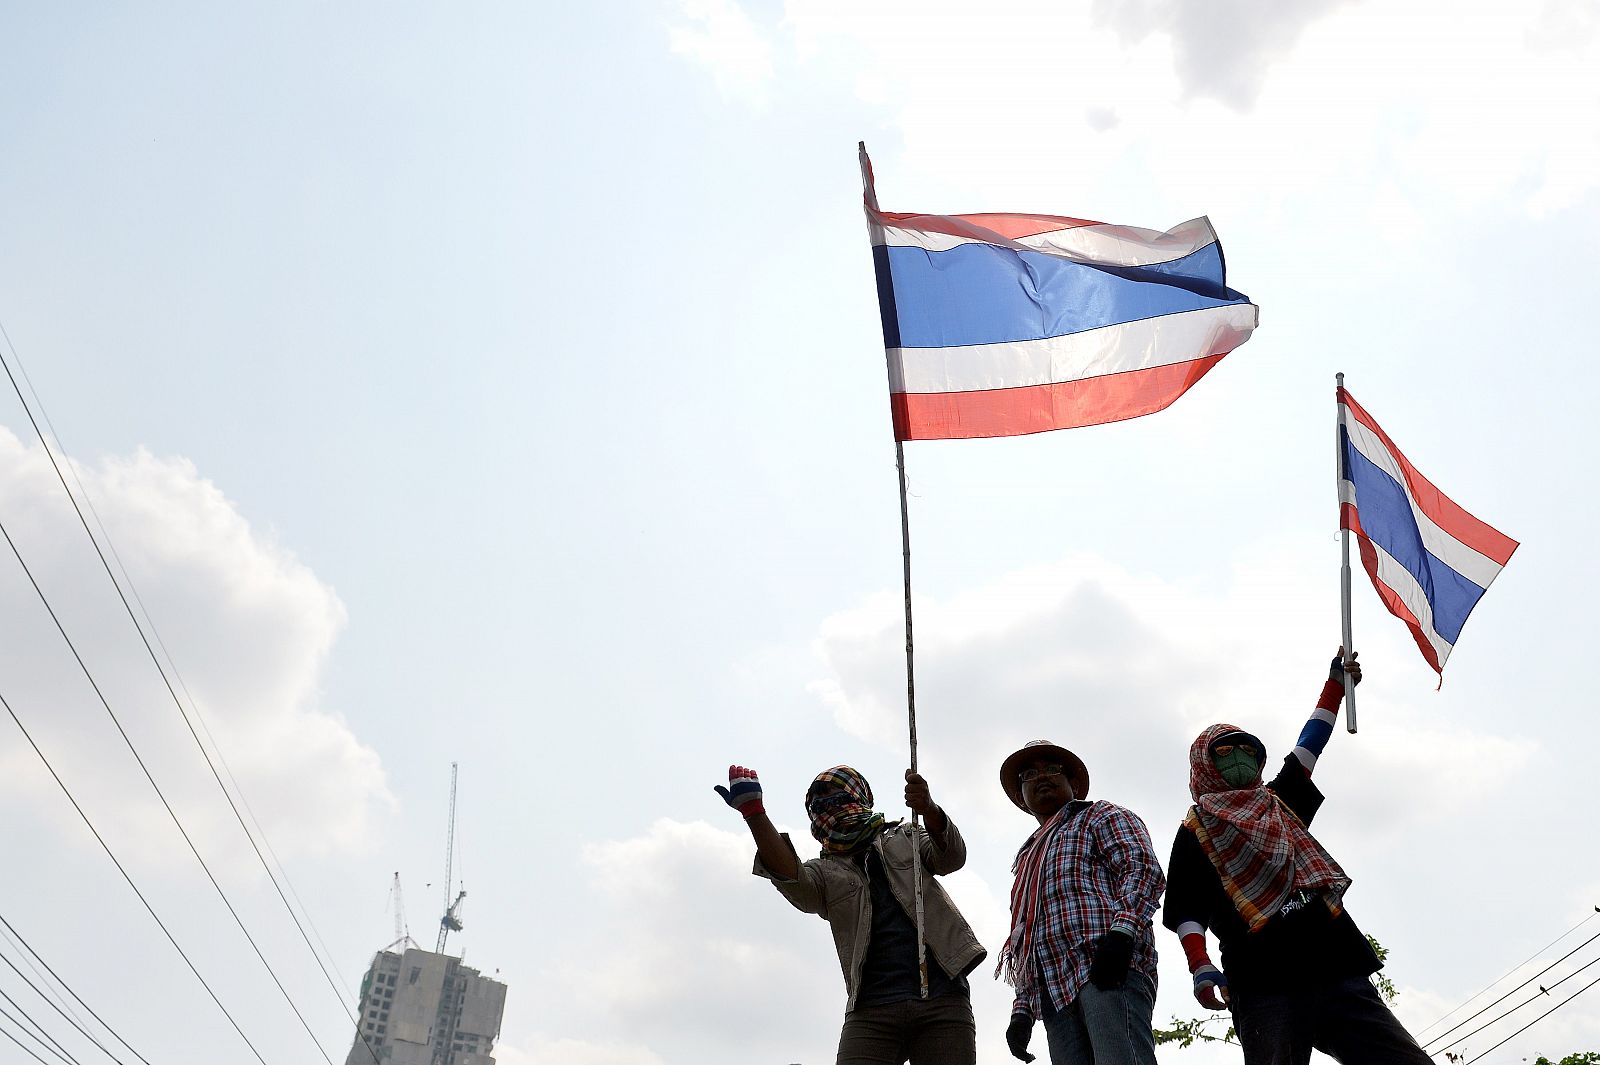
(503, 385)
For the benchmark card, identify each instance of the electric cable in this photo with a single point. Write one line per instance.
(114, 860)
(1508, 994)
(24, 1047)
(49, 453)
(39, 976)
(1496, 1020)
(57, 1050)
(14, 934)
(1593, 913)
(159, 793)
(1537, 1019)
(81, 1030)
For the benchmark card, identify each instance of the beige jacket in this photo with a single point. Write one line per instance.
(835, 888)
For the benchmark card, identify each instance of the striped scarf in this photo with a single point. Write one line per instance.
(1026, 888)
(1260, 849)
(842, 819)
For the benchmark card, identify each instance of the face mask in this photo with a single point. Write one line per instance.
(1238, 768)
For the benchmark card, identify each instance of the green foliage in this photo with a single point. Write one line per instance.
(1384, 985)
(1188, 1032)
(1588, 1058)
(1196, 1030)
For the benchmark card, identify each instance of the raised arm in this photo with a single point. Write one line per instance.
(1319, 726)
(743, 793)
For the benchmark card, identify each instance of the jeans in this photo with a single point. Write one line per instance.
(936, 1032)
(1104, 1027)
(1345, 1019)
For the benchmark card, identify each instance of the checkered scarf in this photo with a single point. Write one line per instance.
(842, 820)
(1260, 849)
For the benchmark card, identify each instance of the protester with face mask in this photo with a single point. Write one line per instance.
(1245, 867)
(862, 885)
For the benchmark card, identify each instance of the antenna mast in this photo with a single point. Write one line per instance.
(451, 921)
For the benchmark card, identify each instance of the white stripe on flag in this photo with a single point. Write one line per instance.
(1475, 566)
(1098, 243)
(1403, 584)
(1163, 341)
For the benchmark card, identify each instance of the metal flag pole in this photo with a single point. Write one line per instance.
(870, 194)
(1344, 568)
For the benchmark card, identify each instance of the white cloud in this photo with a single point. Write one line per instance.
(696, 945)
(250, 627)
(1321, 102)
(721, 36)
(1221, 50)
(1126, 669)
(575, 1052)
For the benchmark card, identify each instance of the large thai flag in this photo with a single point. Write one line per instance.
(1005, 324)
(1430, 560)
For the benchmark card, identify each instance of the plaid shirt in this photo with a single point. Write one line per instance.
(1100, 872)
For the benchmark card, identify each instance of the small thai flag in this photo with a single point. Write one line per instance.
(1006, 324)
(1430, 560)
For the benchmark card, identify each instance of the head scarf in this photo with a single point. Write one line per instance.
(843, 819)
(1260, 849)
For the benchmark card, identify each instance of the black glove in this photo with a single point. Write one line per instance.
(1113, 953)
(1018, 1032)
(1336, 668)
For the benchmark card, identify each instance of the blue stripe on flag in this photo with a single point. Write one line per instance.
(981, 294)
(1387, 520)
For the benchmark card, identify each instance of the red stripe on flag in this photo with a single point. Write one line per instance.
(1041, 408)
(1396, 605)
(1445, 512)
(1009, 226)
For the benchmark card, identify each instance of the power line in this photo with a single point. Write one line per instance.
(1514, 968)
(57, 1050)
(49, 453)
(1494, 1021)
(69, 1019)
(157, 789)
(114, 861)
(24, 1047)
(1539, 1018)
(11, 938)
(1508, 994)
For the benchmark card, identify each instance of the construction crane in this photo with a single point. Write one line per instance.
(451, 921)
(402, 934)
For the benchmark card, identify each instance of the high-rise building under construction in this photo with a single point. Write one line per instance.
(422, 1008)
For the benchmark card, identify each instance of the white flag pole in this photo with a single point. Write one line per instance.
(1344, 569)
(911, 685)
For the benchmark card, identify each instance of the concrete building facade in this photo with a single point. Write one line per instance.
(422, 1008)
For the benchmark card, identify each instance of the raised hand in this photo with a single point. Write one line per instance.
(1342, 665)
(743, 792)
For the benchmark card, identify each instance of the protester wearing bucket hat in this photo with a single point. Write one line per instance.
(862, 885)
(1245, 866)
(1081, 953)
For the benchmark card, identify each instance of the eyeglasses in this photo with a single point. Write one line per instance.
(1222, 750)
(826, 797)
(1034, 774)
